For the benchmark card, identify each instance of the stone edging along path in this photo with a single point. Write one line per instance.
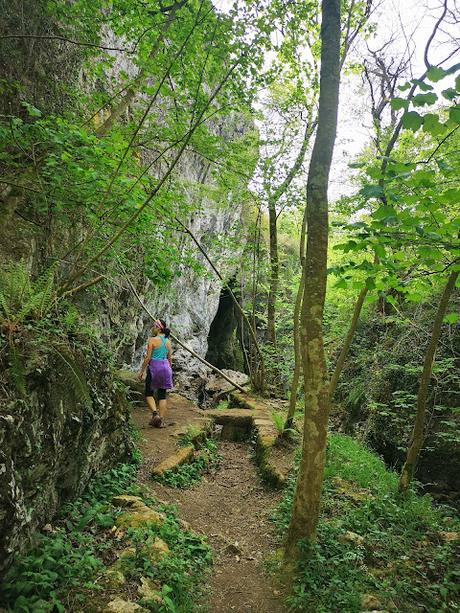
(246, 418)
(252, 415)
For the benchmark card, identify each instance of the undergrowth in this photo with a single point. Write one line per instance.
(59, 574)
(372, 542)
(189, 474)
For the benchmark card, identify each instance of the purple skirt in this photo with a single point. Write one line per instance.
(159, 375)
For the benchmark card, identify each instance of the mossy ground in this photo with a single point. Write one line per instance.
(373, 542)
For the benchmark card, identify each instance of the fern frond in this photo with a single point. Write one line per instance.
(73, 375)
(43, 287)
(15, 287)
(20, 298)
(17, 370)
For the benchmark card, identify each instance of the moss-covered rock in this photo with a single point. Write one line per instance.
(53, 441)
(138, 517)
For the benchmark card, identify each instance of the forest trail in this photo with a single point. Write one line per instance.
(231, 506)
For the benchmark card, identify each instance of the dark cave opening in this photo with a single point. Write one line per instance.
(224, 343)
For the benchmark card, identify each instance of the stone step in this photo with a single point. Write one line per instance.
(252, 415)
(172, 462)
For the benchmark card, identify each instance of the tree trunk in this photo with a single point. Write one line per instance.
(418, 433)
(274, 272)
(273, 198)
(347, 343)
(297, 310)
(305, 512)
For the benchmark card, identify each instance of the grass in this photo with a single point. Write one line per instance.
(373, 542)
(189, 474)
(60, 573)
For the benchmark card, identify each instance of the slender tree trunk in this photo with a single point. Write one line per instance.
(297, 310)
(305, 511)
(274, 272)
(418, 433)
(347, 342)
(273, 199)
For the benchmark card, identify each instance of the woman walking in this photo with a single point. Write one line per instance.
(157, 361)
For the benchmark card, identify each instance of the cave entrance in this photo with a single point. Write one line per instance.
(224, 343)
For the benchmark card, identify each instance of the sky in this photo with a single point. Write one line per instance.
(406, 20)
(402, 20)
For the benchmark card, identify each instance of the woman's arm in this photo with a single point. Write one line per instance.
(168, 345)
(146, 360)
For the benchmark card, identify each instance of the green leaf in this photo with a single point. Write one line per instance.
(405, 87)
(457, 83)
(372, 191)
(454, 114)
(451, 318)
(32, 111)
(399, 103)
(450, 93)
(370, 283)
(424, 99)
(432, 125)
(384, 212)
(435, 74)
(411, 120)
(356, 164)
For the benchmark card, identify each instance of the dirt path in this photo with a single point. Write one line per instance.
(232, 507)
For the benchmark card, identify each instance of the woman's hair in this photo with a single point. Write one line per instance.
(163, 328)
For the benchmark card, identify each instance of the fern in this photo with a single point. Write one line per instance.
(73, 375)
(17, 370)
(20, 298)
(43, 289)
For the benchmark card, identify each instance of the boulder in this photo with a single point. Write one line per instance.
(149, 589)
(369, 602)
(118, 605)
(218, 385)
(126, 500)
(351, 537)
(155, 549)
(138, 517)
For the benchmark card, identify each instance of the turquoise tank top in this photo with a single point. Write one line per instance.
(161, 352)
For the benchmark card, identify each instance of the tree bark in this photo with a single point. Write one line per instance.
(273, 199)
(418, 432)
(305, 512)
(296, 334)
(347, 342)
(274, 272)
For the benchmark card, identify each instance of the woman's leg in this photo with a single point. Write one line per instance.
(151, 404)
(162, 402)
(149, 399)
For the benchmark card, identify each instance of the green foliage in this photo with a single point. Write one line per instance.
(180, 573)
(68, 557)
(395, 552)
(278, 421)
(59, 573)
(21, 298)
(189, 474)
(223, 405)
(379, 387)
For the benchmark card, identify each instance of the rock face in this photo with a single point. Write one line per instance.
(51, 444)
(191, 302)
